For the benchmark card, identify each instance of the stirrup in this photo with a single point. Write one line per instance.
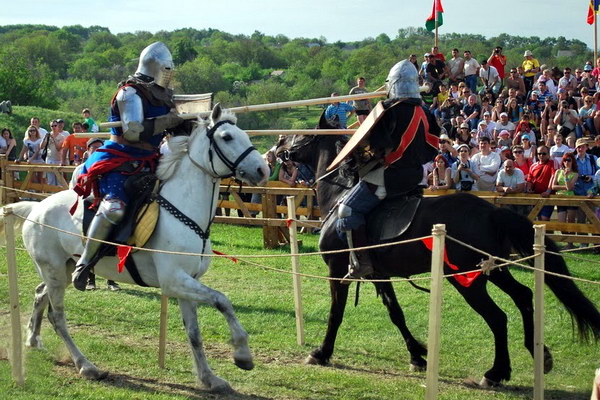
(80, 276)
(356, 273)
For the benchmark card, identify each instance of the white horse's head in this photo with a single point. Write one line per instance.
(220, 149)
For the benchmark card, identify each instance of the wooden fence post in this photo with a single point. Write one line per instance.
(291, 203)
(269, 210)
(538, 325)
(16, 353)
(162, 331)
(435, 311)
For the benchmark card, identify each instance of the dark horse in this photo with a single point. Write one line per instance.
(468, 219)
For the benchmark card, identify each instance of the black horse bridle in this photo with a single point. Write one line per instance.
(214, 145)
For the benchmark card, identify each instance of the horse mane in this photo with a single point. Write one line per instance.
(178, 146)
(228, 115)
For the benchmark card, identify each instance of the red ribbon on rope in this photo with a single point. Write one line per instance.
(288, 222)
(466, 279)
(235, 260)
(122, 253)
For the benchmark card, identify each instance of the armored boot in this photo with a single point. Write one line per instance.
(110, 213)
(360, 261)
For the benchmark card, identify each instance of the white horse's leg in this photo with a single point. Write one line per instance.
(205, 374)
(56, 315)
(192, 290)
(40, 303)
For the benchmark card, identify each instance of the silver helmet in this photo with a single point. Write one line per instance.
(403, 81)
(156, 62)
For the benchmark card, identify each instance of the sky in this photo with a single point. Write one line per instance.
(345, 20)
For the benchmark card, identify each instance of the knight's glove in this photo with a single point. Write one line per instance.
(133, 131)
(156, 126)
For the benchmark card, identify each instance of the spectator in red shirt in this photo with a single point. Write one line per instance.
(498, 61)
(539, 178)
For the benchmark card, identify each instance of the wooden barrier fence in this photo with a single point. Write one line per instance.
(271, 212)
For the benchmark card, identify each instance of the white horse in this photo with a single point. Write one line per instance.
(190, 177)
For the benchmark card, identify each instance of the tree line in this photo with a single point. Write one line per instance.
(73, 67)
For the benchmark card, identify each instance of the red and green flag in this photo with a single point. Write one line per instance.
(436, 15)
(592, 11)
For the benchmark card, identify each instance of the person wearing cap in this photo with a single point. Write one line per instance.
(490, 125)
(504, 139)
(531, 67)
(587, 166)
(588, 81)
(503, 124)
(490, 79)
(463, 136)
(446, 148)
(73, 147)
(563, 95)
(87, 118)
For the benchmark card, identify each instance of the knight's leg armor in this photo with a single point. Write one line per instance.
(110, 213)
(351, 213)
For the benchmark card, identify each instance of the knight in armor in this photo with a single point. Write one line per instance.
(144, 105)
(387, 173)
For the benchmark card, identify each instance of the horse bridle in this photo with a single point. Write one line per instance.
(214, 145)
(204, 234)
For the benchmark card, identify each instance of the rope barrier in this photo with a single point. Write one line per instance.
(487, 265)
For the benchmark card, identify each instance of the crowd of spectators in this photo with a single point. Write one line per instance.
(533, 130)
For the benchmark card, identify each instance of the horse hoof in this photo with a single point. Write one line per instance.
(488, 383)
(312, 360)
(417, 368)
(92, 373)
(244, 364)
(220, 386)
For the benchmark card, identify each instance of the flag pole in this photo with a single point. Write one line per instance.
(595, 37)
(435, 13)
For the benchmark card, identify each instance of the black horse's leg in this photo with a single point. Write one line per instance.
(339, 297)
(523, 298)
(416, 349)
(479, 299)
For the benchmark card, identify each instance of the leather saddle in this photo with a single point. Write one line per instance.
(392, 217)
(140, 219)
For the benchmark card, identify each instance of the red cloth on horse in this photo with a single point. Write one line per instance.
(87, 183)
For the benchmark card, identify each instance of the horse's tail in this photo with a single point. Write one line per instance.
(22, 209)
(520, 233)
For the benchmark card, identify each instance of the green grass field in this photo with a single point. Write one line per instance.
(119, 333)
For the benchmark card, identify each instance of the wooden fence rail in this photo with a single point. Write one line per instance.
(271, 213)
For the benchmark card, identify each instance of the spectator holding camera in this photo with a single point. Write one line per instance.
(586, 166)
(566, 119)
(465, 174)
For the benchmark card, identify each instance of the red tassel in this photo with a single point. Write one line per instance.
(235, 260)
(288, 222)
(122, 253)
(466, 279)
